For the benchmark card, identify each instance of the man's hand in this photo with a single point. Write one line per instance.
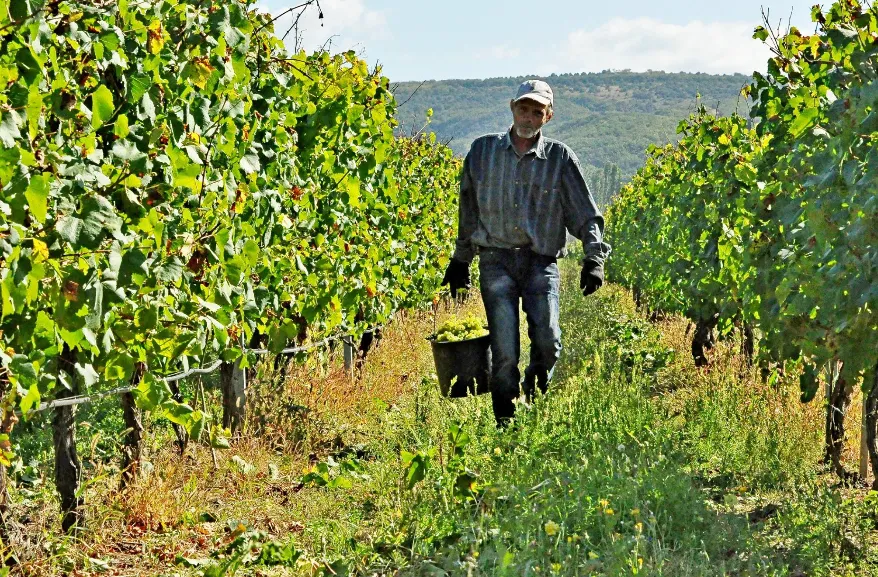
(592, 277)
(457, 276)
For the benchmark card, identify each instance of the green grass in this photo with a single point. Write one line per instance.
(599, 477)
(635, 463)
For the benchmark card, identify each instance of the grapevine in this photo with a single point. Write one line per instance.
(176, 187)
(773, 226)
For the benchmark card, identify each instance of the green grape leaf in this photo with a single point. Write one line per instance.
(352, 187)
(133, 263)
(148, 108)
(23, 371)
(34, 109)
(252, 251)
(9, 128)
(87, 229)
(37, 195)
(30, 400)
(20, 9)
(803, 121)
(119, 367)
(138, 85)
(126, 150)
(120, 128)
(151, 392)
(250, 163)
(170, 271)
(146, 318)
(101, 106)
(177, 413)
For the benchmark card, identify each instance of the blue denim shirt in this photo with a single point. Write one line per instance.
(509, 201)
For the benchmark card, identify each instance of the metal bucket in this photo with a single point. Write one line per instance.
(463, 367)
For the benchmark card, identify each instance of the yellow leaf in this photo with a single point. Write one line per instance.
(41, 251)
(200, 71)
(240, 529)
(155, 39)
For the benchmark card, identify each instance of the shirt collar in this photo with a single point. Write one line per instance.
(539, 148)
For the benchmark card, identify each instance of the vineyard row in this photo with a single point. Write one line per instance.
(175, 186)
(769, 224)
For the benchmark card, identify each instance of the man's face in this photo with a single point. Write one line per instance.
(528, 117)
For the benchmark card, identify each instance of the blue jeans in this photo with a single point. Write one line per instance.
(507, 276)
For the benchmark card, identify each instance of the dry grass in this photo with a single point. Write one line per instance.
(777, 405)
(184, 507)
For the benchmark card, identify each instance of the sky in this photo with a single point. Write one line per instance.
(418, 40)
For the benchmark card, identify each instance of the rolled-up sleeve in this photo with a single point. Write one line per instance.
(467, 215)
(581, 215)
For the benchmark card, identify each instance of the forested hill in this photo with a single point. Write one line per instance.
(606, 117)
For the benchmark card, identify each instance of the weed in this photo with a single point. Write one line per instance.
(634, 463)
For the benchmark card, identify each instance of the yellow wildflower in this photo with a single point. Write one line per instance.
(551, 528)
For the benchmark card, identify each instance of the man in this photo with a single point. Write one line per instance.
(519, 194)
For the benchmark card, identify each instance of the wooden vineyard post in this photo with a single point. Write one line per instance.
(838, 407)
(67, 467)
(864, 440)
(348, 356)
(870, 417)
(132, 447)
(234, 385)
(179, 431)
(4, 507)
(703, 340)
(7, 406)
(831, 376)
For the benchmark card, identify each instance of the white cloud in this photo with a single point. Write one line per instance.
(346, 24)
(646, 44)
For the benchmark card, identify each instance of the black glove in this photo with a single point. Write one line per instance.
(457, 276)
(592, 277)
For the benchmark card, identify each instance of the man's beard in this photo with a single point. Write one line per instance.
(526, 133)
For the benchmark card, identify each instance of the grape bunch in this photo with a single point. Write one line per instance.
(456, 329)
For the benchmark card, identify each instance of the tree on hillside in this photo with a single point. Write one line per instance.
(604, 183)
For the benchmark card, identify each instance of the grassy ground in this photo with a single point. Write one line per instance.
(635, 463)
